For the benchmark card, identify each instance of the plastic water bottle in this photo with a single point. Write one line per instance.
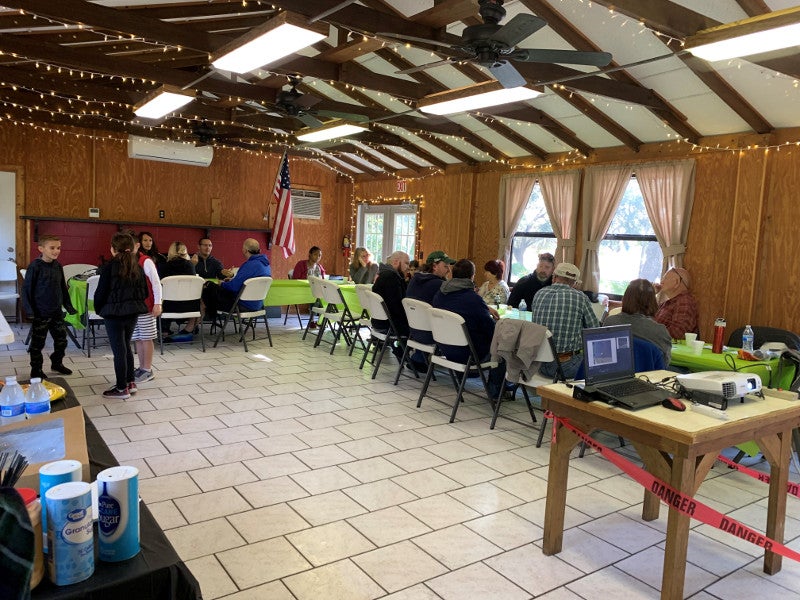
(12, 402)
(747, 339)
(523, 306)
(37, 399)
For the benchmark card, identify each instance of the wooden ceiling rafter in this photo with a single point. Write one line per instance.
(508, 132)
(538, 117)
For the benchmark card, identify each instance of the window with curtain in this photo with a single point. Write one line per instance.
(629, 249)
(534, 235)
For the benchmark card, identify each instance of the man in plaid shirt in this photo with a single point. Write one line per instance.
(565, 311)
(678, 313)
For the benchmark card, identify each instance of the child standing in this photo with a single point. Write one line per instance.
(120, 299)
(145, 331)
(43, 294)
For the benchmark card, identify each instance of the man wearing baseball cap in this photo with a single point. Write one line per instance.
(424, 284)
(565, 311)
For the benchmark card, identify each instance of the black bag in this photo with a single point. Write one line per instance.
(790, 359)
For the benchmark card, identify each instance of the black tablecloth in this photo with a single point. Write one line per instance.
(156, 573)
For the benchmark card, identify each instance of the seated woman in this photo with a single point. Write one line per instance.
(311, 267)
(494, 290)
(179, 263)
(362, 269)
(639, 306)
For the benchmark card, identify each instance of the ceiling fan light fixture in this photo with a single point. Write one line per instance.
(756, 35)
(473, 97)
(281, 36)
(162, 101)
(330, 131)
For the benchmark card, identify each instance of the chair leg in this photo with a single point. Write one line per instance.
(402, 364)
(366, 353)
(159, 329)
(426, 384)
(286, 316)
(72, 336)
(202, 338)
(460, 393)
(221, 332)
(269, 335)
(497, 402)
(380, 357)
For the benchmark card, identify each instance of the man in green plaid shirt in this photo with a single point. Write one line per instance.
(565, 311)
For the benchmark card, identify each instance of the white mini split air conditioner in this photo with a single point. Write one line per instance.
(169, 151)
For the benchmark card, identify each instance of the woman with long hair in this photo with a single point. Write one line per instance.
(120, 299)
(639, 308)
(362, 269)
(147, 246)
(494, 290)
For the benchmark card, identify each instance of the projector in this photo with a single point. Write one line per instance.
(729, 384)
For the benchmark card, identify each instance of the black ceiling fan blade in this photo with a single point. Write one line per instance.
(309, 120)
(506, 74)
(306, 101)
(419, 68)
(411, 38)
(572, 57)
(517, 29)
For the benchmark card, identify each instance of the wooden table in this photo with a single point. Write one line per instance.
(678, 448)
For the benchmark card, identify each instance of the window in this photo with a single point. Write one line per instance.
(385, 228)
(534, 235)
(630, 249)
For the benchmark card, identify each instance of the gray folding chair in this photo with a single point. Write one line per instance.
(253, 290)
(182, 288)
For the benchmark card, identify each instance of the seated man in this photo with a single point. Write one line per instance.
(458, 295)
(222, 296)
(565, 311)
(527, 286)
(391, 286)
(678, 313)
(425, 283)
(205, 265)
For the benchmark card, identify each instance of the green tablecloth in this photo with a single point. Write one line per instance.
(682, 356)
(285, 292)
(77, 295)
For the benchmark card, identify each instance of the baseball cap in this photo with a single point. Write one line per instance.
(567, 270)
(438, 255)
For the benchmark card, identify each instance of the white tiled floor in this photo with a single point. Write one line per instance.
(286, 473)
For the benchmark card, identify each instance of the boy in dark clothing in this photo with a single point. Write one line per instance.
(44, 293)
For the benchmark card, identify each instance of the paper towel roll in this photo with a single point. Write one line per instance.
(60, 471)
(70, 536)
(118, 508)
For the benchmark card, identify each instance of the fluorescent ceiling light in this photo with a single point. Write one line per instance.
(330, 131)
(756, 35)
(282, 35)
(473, 97)
(162, 101)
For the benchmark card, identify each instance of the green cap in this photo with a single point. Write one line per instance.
(438, 255)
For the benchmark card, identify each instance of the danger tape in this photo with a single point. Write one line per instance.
(792, 488)
(676, 499)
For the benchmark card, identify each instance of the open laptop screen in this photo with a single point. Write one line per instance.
(608, 353)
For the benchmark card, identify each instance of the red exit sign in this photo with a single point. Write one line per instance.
(401, 185)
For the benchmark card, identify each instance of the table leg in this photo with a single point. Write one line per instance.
(556, 503)
(672, 580)
(777, 449)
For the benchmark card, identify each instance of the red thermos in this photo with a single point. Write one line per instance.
(719, 335)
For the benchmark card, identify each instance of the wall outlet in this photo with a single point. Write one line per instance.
(94, 213)
(161, 214)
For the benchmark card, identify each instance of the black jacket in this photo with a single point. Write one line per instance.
(526, 288)
(208, 268)
(391, 286)
(45, 290)
(176, 266)
(116, 297)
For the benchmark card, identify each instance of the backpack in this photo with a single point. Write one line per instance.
(790, 359)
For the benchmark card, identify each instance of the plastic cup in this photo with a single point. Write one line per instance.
(502, 308)
(690, 337)
(697, 346)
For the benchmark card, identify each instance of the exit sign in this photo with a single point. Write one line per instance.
(401, 185)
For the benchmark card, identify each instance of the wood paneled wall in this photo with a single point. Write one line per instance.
(741, 249)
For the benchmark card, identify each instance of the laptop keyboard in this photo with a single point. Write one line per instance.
(629, 388)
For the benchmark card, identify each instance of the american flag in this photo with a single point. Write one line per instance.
(284, 219)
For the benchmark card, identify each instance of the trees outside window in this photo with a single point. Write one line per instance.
(534, 235)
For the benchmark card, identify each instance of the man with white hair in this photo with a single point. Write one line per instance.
(391, 286)
(565, 311)
(678, 313)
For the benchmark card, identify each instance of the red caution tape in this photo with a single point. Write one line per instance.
(680, 501)
(792, 488)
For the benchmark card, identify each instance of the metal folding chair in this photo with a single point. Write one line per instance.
(379, 339)
(316, 310)
(90, 318)
(253, 290)
(340, 321)
(419, 322)
(180, 288)
(364, 319)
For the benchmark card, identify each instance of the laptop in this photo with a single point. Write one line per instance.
(610, 372)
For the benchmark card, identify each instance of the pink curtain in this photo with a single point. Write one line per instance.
(668, 191)
(560, 192)
(602, 190)
(514, 193)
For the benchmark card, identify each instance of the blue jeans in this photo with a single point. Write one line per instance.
(569, 367)
(120, 331)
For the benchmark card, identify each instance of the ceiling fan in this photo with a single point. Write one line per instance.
(494, 46)
(205, 134)
(293, 103)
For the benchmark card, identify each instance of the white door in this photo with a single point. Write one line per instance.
(385, 228)
(8, 244)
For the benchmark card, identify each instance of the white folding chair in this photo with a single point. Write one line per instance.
(340, 321)
(317, 309)
(545, 354)
(90, 318)
(364, 319)
(253, 290)
(378, 338)
(74, 269)
(8, 275)
(182, 288)
(419, 323)
(449, 329)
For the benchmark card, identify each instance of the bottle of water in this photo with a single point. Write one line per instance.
(37, 399)
(12, 402)
(523, 306)
(747, 339)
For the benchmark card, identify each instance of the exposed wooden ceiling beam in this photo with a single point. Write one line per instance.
(353, 149)
(399, 158)
(661, 15)
(359, 46)
(508, 132)
(445, 12)
(538, 117)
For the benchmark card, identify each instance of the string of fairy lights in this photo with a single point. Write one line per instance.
(459, 143)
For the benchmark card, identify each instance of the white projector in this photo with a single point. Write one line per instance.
(729, 384)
